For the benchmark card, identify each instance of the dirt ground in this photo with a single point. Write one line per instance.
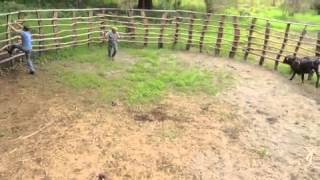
(264, 127)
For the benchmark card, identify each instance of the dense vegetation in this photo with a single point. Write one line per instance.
(279, 9)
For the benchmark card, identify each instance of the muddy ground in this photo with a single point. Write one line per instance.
(263, 127)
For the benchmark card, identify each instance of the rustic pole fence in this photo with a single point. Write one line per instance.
(146, 27)
(204, 30)
(283, 46)
(55, 29)
(250, 37)
(265, 44)
(176, 31)
(90, 14)
(190, 31)
(236, 37)
(303, 33)
(163, 25)
(40, 43)
(220, 36)
(74, 29)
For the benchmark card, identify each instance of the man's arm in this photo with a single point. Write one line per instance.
(106, 35)
(14, 29)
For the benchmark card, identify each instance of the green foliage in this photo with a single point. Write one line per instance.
(11, 6)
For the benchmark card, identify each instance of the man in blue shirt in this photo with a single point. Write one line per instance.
(26, 46)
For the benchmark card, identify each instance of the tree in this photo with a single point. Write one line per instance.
(316, 6)
(145, 4)
(209, 5)
(214, 5)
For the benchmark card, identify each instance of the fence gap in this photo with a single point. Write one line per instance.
(236, 38)
(55, 28)
(318, 45)
(190, 31)
(146, 28)
(283, 46)
(90, 29)
(303, 33)
(162, 28)
(250, 37)
(176, 31)
(265, 44)
(204, 30)
(74, 29)
(220, 35)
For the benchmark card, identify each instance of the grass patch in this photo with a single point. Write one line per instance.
(155, 73)
(80, 80)
(143, 77)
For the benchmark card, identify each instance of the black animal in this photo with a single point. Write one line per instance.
(306, 65)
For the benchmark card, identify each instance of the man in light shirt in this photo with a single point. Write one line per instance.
(112, 38)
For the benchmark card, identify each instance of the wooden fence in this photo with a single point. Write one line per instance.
(243, 37)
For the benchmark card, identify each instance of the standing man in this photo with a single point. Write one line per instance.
(112, 38)
(26, 46)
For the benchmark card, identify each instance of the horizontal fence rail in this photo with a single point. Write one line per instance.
(244, 37)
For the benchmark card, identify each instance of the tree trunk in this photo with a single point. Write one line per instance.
(209, 6)
(145, 4)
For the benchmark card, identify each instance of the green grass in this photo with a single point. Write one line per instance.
(143, 78)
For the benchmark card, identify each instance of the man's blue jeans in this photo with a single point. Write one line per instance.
(27, 54)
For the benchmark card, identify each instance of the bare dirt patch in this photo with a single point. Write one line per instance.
(265, 127)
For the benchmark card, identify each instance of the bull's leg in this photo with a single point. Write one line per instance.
(302, 78)
(293, 75)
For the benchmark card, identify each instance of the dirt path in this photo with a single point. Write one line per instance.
(283, 121)
(263, 128)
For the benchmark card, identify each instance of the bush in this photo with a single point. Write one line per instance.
(11, 6)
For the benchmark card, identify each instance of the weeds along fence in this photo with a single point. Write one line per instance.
(243, 37)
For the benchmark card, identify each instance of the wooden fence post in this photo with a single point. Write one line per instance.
(132, 26)
(204, 30)
(55, 27)
(318, 45)
(265, 44)
(250, 37)
(176, 31)
(74, 29)
(163, 25)
(146, 29)
(190, 31)
(40, 43)
(303, 33)
(220, 35)
(283, 46)
(90, 15)
(19, 17)
(8, 34)
(8, 29)
(236, 37)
